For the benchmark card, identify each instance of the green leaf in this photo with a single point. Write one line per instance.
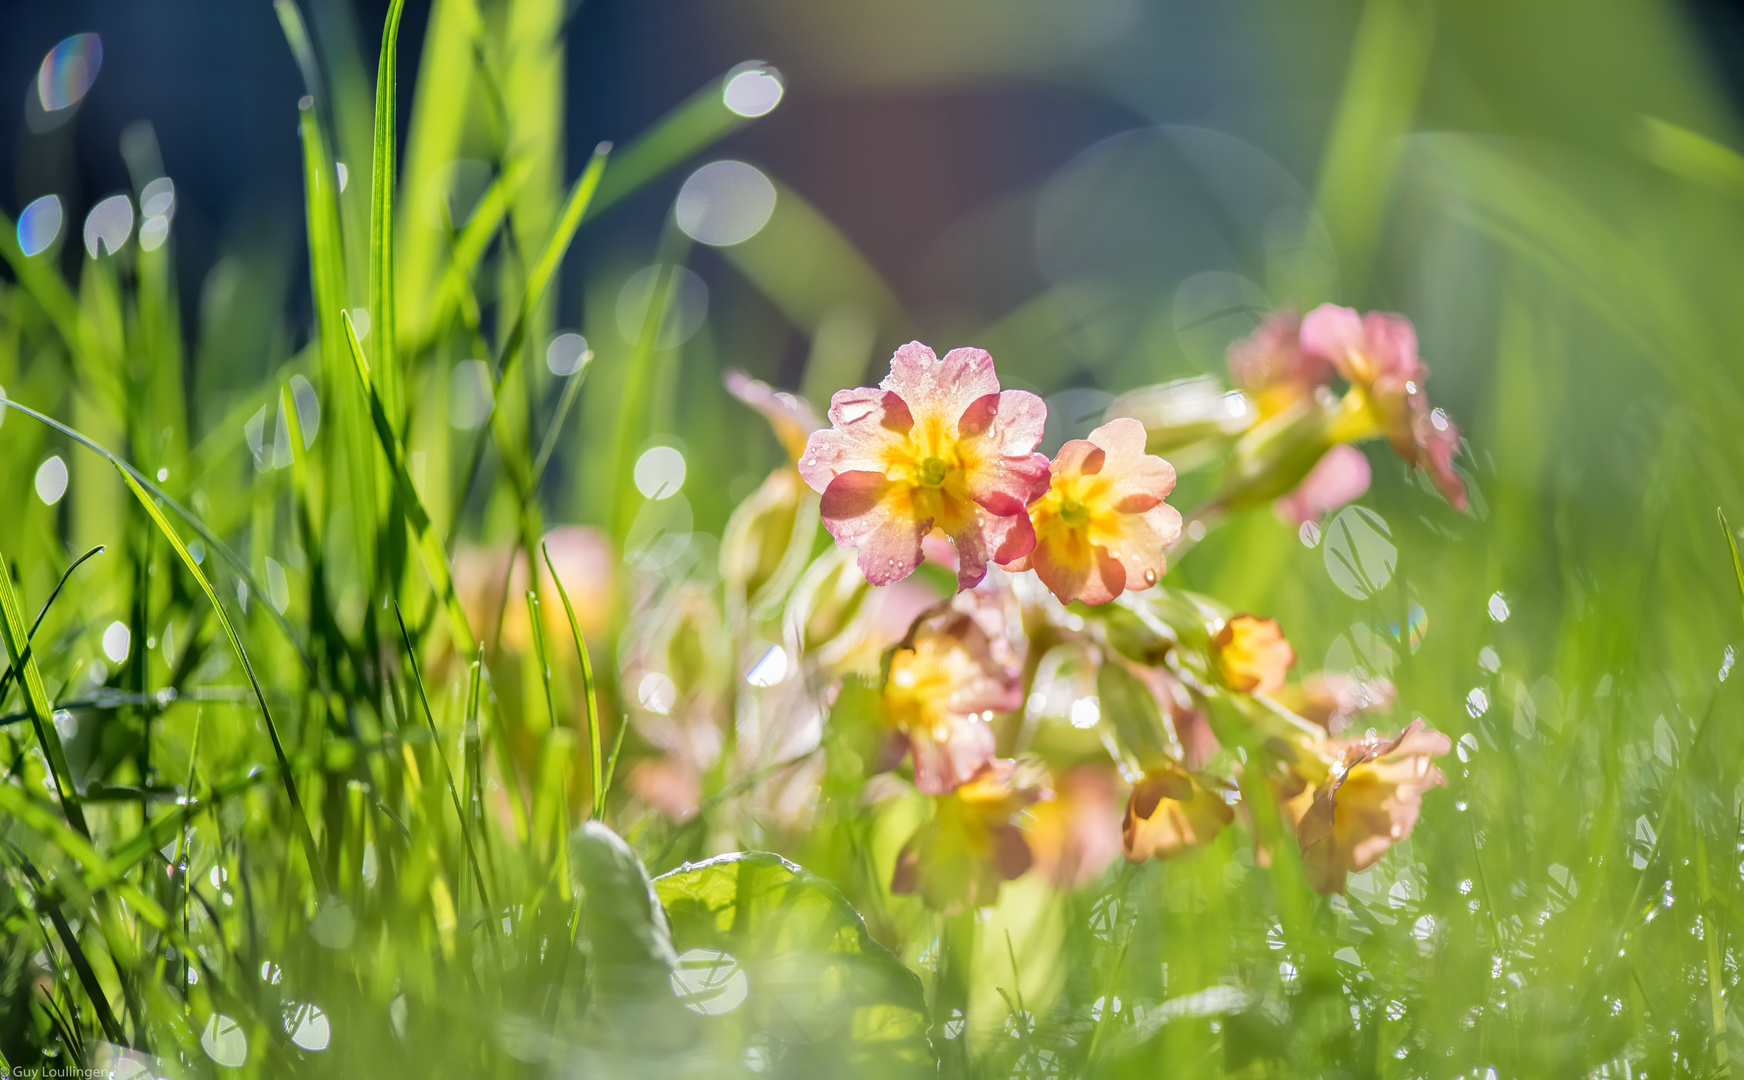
(629, 947)
(816, 979)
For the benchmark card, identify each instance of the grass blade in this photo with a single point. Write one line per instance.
(169, 533)
(435, 557)
(436, 741)
(36, 698)
(587, 689)
(381, 214)
(1732, 545)
(6, 679)
(135, 477)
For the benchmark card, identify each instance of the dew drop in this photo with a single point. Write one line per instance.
(1150, 577)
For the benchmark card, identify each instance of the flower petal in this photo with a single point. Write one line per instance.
(945, 759)
(864, 510)
(940, 391)
(871, 430)
(1339, 478)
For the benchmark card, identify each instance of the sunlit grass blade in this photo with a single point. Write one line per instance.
(156, 514)
(436, 745)
(554, 430)
(429, 546)
(696, 124)
(11, 671)
(638, 383)
(381, 217)
(1732, 547)
(92, 985)
(589, 698)
(581, 196)
(36, 698)
(237, 565)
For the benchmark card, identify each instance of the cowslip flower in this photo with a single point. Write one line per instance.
(936, 444)
(1377, 354)
(1332, 699)
(941, 683)
(1251, 655)
(1272, 368)
(1169, 812)
(1367, 797)
(972, 844)
(1101, 528)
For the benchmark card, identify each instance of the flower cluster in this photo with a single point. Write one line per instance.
(1063, 676)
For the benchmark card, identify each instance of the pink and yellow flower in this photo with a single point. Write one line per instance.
(972, 844)
(1101, 528)
(1271, 367)
(941, 684)
(937, 444)
(1169, 812)
(1368, 797)
(1251, 654)
(1377, 353)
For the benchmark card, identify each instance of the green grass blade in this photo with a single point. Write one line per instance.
(700, 121)
(40, 279)
(435, 558)
(6, 678)
(587, 689)
(237, 565)
(45, 899)
(1732, 546)
(36, 698)
(553, 431)
(436, 742)
(381, 216)
(169, 533)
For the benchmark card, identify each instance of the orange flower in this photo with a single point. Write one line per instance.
(936, 444)
(940, 683)
(1368, 798)
(1102, 525)
(1169, 812)
(1252, 655)
(959, 858)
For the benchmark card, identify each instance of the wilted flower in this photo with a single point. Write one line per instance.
(1271, 366)
(937, 443)
(1339, 478)
(1170, 811)
(1102, 525)
(1252, 655)
(940, 683)
(1368, 798)
(1075, 835)
(958, 859)
(1377, 353)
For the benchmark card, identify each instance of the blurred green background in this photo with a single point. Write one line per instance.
(1103, 194)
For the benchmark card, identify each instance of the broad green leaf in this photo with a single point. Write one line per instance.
(629, 947)
(813, 977)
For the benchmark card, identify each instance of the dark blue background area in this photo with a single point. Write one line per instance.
(217, 82)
